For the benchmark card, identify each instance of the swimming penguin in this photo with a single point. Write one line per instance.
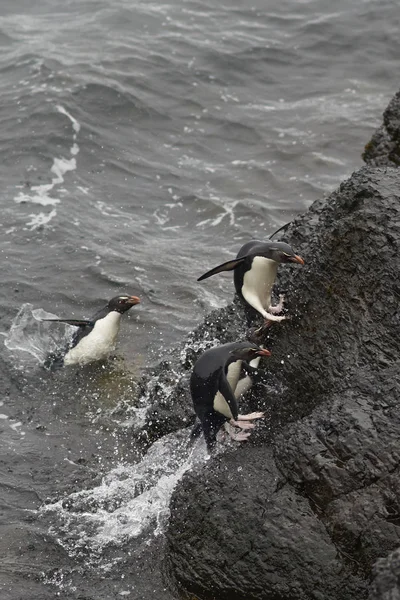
(213, 385)
(254, 275)
(96, 337)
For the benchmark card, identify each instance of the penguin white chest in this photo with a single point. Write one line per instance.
(220, 404)
(233, 373)
(98, 344)
(258, 282)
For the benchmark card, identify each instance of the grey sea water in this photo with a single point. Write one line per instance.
(141, 143)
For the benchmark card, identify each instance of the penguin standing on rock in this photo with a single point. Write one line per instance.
(95, 338)
(255, 269)
(214, 388)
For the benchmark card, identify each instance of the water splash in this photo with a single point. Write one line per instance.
(131, 501)
(31, 340)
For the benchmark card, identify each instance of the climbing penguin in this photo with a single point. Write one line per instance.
(96, 337)
(213, 385)
(255, 270)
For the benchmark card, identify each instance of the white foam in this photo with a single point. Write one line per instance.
(14, 425)
(38, 195)
(228, 212)
(328, 159)
(76, 126)
(83, 189)
(62, 166)
(40, 219)
(44, 194)
(107, 211)
(130, 501)
(160, 218)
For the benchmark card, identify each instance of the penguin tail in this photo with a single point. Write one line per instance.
(283, 228)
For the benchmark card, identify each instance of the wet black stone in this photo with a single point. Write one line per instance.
(384, 147)
(386, 583)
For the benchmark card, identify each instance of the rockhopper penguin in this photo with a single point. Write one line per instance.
(254, 275)
(214, 388)
(95, 338)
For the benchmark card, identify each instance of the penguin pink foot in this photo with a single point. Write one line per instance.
(237, 436)
(242, 424)
(275, 310)
(250, 417)
(271, 317)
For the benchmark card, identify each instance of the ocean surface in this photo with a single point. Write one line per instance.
(141, 143)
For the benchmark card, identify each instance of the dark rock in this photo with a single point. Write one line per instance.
(309, 505)
(386, 584)
(250, 535)
(384, 147)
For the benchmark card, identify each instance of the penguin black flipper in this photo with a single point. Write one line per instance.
(85, 326)
(230, 265)
(229, 396)
(75, 322)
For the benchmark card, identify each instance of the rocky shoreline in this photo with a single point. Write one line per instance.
(309, 507)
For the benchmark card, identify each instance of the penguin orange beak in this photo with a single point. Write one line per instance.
(134, 300)
(296, 258)
(264, 352)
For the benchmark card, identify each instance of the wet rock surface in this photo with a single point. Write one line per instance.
(309, 505)
(386, 584)
(384, 147)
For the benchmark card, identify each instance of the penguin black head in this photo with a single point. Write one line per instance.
(247, 351)
(122, 303)
(281, 252)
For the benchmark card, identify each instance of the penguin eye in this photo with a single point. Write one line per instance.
(286, 254)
